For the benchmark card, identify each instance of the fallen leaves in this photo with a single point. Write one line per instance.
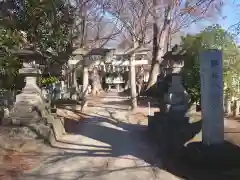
(13, 163)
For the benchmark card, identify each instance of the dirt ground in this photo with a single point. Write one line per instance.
(18, 155)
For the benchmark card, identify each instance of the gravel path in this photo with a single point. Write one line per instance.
(113, 147)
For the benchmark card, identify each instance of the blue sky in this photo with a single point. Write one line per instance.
(231, 11)
(229, 16)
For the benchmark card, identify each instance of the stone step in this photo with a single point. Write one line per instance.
(63, 144)
(77, 141)
(59, 139)
(57, 126)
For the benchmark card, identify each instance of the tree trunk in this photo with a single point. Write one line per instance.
(155, 68)
(75, 78)
(158, 52)
(160, 39)
(228, 107)
(85, 83)
(237, 107)
(96, 88)
(133, 82)
(96, 82)
(155, 64)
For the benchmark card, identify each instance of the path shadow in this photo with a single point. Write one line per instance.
(171, 154)
(108, 106)
(118, 139)
(128, 139)
(198, 162)
(122, 138)
(142, 102)
(193, 160)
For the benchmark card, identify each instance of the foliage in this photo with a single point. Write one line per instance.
(44, 26)
(9, 64)
(47, 24)
(213, 37)
(47, 80)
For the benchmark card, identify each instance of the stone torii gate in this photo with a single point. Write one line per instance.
(84, 61)
(132, 73)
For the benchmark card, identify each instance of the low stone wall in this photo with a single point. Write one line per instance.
(171, 131)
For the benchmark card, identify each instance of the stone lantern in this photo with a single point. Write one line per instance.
(30, 105)
(176, 98)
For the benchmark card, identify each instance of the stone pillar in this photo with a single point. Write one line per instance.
(75, 77)
(212, 97)
(85, 78)
(69, 80)
(133, 82)
(227, 105)
(237, 107)
(74, 89)
(72, 82)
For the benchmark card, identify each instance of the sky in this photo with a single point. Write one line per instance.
(229, 16)
(231, 12)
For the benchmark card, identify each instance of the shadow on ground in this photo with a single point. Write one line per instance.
(197, 162)
(142, 102)
(187, 162)
(123, 140)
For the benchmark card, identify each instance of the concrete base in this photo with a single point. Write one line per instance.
(170, 131)
(29, 107)
(224, 155)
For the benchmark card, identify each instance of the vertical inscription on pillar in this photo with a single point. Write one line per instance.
(212, 96)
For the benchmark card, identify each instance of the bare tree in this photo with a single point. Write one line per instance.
(133, 19)
(134, 16)
(92, 30)
(169, 16)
